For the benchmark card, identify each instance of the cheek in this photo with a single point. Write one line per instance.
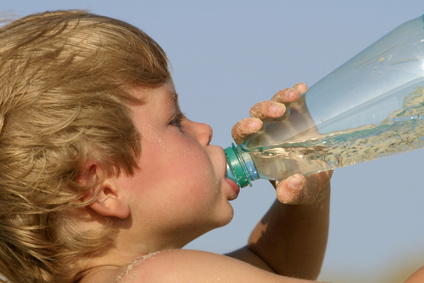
(188, 159)
(177, 167)
(192, 173)
(199, 169)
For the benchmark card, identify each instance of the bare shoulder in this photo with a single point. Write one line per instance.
(195, 266)
(417, 276)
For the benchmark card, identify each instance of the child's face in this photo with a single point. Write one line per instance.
(181, 184)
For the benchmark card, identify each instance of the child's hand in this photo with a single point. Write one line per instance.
(296, 189)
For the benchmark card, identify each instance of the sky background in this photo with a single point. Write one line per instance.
(228, 55)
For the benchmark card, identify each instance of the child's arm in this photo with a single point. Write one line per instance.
(416, 277)
(291, 238)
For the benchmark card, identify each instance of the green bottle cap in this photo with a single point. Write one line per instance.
(236, 169)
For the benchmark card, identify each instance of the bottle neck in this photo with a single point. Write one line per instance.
(240, 166)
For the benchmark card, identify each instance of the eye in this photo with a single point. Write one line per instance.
(177, 120)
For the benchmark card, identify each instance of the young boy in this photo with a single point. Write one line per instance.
(103, 179)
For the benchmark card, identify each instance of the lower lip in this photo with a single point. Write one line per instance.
(234, 186)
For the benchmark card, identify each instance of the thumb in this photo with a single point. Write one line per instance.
(289, 190)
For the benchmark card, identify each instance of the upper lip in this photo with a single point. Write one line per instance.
(225, 161)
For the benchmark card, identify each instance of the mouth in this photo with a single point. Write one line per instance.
(235, 189)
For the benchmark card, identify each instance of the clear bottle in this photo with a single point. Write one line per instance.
(370, 107)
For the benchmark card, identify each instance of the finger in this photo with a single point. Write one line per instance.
(289, 191)
(267, 109)
(286, 95)
(245, 127)
(301, 87)
(290, 94)
(313, 188)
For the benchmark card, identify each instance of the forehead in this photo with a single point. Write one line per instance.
(165, 95)
(169, 88)
(147, 94)
(169, 92)
(156, 102)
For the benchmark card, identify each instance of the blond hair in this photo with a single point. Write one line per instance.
(62, 100)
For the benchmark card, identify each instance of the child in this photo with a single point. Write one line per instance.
(103, 179)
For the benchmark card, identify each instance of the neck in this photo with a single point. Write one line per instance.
(101, 273)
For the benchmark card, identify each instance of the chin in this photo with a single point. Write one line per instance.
(228, 217)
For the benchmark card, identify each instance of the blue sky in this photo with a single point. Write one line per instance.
(228, 55)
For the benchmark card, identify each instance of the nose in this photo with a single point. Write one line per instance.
(203, 132)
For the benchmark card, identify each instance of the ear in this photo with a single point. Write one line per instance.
(109, 198)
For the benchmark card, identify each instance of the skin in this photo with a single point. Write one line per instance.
(180, 192)
(416, 277)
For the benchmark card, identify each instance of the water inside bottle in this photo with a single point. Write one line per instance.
(402, 131)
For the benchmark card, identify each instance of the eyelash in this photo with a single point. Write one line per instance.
(177, 119)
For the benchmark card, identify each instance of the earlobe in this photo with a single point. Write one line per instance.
(109, 201)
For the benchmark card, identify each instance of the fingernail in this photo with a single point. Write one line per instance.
(301, 87)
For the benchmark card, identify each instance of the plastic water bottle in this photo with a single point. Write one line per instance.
(370, 107)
